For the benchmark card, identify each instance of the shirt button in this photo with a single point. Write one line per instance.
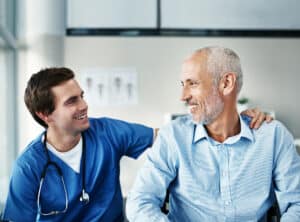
(227, 202)
(223, 173)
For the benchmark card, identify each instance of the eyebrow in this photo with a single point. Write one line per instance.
(73, 98)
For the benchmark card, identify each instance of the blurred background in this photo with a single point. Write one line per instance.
(127, 56)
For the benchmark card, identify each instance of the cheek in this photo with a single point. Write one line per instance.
(63, 115)
(200, 96)
(196, 93)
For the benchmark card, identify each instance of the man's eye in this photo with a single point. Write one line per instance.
(194, 83)
(190, 83)
(71, 101)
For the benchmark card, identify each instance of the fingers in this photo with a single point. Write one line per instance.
(247, 112)
(257, 120)
(250, 112)
(258, 117)
(254, 114)
(269, 118)
(155, 133)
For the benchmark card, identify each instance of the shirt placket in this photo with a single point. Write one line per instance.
(225, 183)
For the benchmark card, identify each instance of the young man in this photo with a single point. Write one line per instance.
(71, 171)
(215, 167)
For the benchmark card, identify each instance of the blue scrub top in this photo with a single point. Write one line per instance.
(107, 140)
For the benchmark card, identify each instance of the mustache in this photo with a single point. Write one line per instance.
(189, 102)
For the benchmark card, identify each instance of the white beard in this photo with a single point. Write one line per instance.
(213, 106)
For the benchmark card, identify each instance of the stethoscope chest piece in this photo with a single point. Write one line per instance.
(85, 198)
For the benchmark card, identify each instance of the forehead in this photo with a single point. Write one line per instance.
(194, 67)
(66, 89)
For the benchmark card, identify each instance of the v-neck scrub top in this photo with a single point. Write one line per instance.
(107, 140)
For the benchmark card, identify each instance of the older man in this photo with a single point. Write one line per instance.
(215, 167)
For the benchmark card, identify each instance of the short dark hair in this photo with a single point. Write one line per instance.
(38, 95)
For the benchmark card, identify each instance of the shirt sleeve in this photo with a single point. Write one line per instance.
(130, 138)
(148, 193)
(287, 176)
(21, 202)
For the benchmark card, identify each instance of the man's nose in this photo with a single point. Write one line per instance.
(185, 94)
(83, 104)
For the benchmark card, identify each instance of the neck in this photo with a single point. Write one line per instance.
(227, 124)
(62, 142)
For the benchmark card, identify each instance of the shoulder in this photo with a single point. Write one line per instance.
(275, 128)
(119, 130)
(173, 139)
(275, 132)
(31, 160)
(179, 124)
(101, 122)
(178, 128)
(282, 134)
(109, 122)
(33, 151)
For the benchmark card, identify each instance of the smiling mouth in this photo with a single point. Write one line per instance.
(81, 116)
(193, 105)
(192, 108)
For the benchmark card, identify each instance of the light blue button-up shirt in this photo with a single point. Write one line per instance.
(210, 181)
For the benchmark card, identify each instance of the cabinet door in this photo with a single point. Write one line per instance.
(230, 14)
(111, 13)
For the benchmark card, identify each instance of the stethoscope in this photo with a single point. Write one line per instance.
(84, 197)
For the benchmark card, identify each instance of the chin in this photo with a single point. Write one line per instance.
(203, 121)
(86, 126)
(197, 120)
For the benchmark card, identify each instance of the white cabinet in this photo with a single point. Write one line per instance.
(111, 14)
(230, 14)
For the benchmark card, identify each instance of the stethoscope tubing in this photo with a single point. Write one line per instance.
(84, 196)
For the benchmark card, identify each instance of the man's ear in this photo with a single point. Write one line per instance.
(43, 116)
(227, 83)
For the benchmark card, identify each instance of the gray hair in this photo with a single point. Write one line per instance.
(221, 60)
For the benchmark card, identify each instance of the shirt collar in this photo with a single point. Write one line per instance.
(201, 133)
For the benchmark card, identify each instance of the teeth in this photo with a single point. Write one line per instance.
(82, 116)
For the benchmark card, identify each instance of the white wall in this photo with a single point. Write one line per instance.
(41, 33)
(270, 65)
